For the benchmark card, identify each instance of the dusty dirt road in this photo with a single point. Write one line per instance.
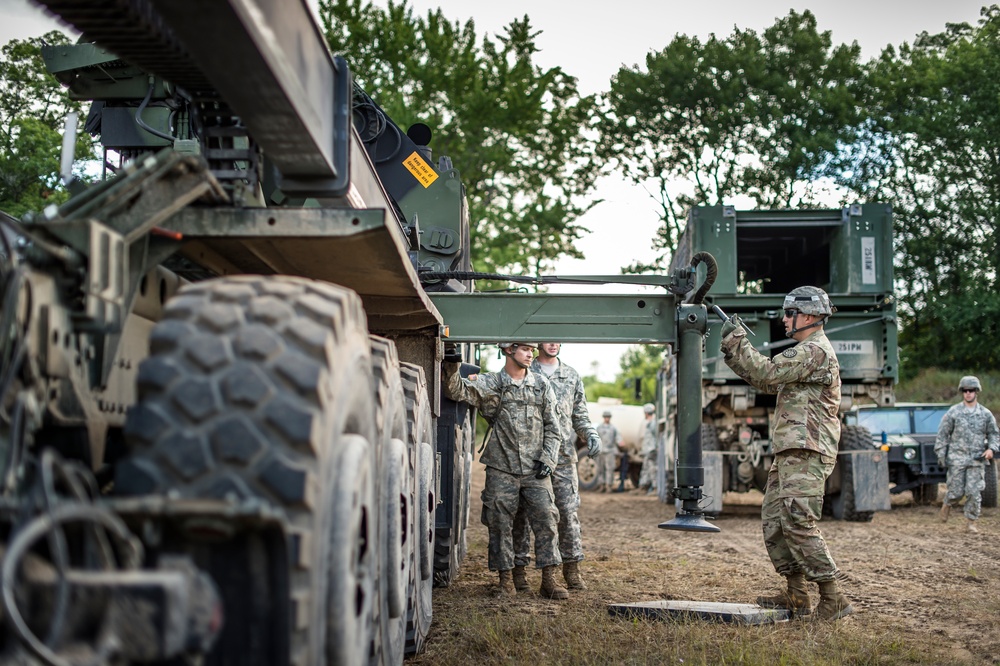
(932, 585)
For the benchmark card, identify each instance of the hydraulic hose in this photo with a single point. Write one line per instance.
(713, 272)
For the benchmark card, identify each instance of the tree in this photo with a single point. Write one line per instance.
(33, 107)
(932, 150)
(760, 115)
(639, 365)
(515, 132)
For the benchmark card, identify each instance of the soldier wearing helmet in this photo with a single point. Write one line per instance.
(806, 379)
(647, 478)
(611, 440)
(966, 439)
(519, 454)
(574, 421)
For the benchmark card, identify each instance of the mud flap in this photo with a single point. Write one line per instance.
(870, 470)
(711, 502)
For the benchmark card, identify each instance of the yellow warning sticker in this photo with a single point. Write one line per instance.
(420, 169)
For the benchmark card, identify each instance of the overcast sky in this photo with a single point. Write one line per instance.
(593, 40)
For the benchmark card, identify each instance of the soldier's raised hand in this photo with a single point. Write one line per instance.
(731, 325)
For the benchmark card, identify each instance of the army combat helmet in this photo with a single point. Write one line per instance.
(809, 301)
(504, 346)
(648, 408)
(969, 382)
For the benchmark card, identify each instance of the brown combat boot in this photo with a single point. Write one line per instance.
(795, 598)
(945, 510)
(520, 579)
(507, 585)
(970, 526)
(550, 588)
(571, 574)
(832, 604)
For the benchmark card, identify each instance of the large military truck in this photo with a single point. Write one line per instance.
(223, 435)
(762, 255)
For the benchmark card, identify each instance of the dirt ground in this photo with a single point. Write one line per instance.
(907, 574)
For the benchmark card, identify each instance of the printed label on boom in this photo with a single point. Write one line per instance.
(420, 169)
(867, 260)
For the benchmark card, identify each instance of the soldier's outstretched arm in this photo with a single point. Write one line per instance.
(795, 364)
(475, 392)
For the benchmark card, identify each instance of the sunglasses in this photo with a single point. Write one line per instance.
(791, 313)
(968, 390)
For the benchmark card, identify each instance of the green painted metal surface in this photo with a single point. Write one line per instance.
(568, 318)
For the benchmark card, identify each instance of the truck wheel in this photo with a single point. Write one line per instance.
(260, 390)
(420, 431)
(450, 542)
(925, 494)
(586, 470)
(394, 527)
(852, 438)
(990, 490)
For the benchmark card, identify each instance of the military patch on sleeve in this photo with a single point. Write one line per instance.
(790, 353)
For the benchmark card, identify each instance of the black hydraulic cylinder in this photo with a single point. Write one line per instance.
(692, 322)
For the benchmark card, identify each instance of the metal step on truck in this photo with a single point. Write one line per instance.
(762, 255)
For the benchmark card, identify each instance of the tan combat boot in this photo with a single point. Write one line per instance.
(520, 579)
(795, 598)
(550, 588)
(945, 510)
(970, 526)
(507, 585)
(832, 604)
(571, 573)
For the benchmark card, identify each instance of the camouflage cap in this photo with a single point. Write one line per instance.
(970, 382)
(607, 413)
(809, 300)
(648, 408)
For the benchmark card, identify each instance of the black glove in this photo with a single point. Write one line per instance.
(593, 445)
(451, 353)
(731, 325)
(541, 470)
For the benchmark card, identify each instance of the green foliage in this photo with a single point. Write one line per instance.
(33, 107)
(930, 149)
(515, 132)
(937, 385)
(640, 362)
(758, 115)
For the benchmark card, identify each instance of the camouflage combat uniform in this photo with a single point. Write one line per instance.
(606, 463)
(525, 430)
(963, 435)
(806, 378)
(574, 421)
(647, 478)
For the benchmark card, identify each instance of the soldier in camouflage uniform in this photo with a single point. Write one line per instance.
(607, 462)
(806, 378)
(647, 478)
(966, 439)
(519, 456)
(574, 421)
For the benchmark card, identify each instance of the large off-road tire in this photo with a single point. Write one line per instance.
(990, 489)
(852, 438)
(259, 390)
(450, 542)
(925, 494)
(395, 528)
(586, 470)
(420, 436)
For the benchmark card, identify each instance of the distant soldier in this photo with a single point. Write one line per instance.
(647, 478)
(574, 420)
(611, 439)
(519, 457)
(966, 439)
(806, 433)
